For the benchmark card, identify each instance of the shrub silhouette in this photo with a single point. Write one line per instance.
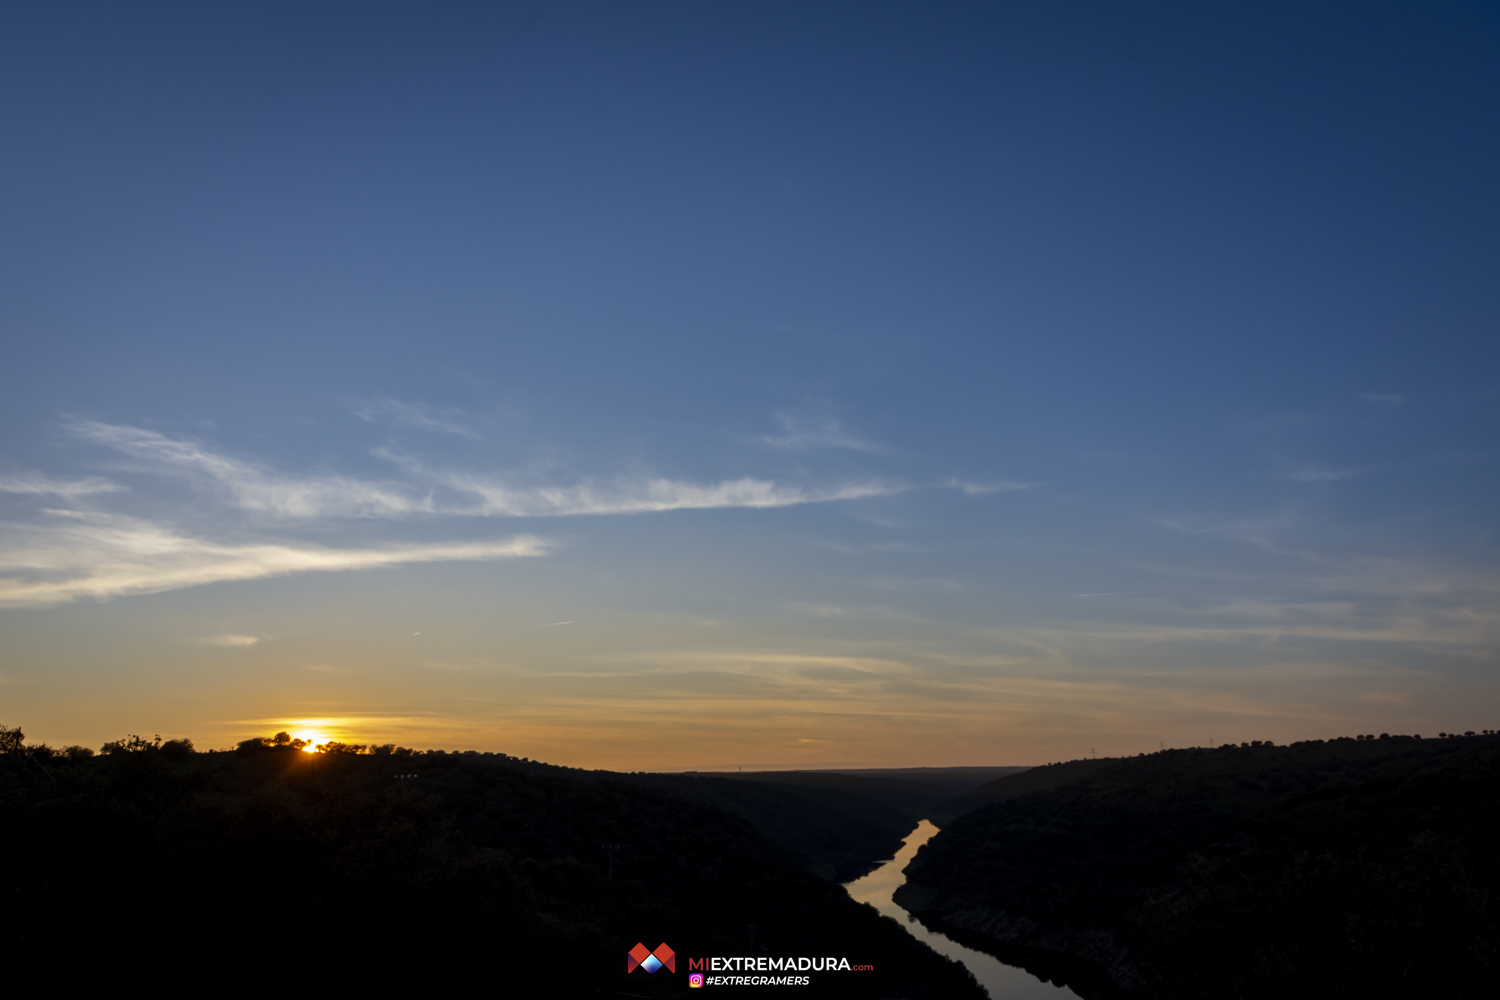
(409, 873)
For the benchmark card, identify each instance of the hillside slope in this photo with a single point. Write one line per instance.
(836, 834)
(1327, 869)
(399, 873)
(914, 791)
(1024, 781)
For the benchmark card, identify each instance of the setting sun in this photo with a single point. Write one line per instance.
(312, 732)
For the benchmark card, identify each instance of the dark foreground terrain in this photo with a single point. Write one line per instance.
(841, 824)
(1359, 867)
(267, 869)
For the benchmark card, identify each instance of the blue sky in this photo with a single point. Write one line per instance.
(677, 385)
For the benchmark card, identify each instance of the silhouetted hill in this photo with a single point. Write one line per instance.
(1023, 781)
(1353, 867)
(399, 873)
(836, 834)
(913, 791)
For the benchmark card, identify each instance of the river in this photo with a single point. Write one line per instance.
(1001, 981)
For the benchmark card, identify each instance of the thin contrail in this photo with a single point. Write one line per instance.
(550, 624)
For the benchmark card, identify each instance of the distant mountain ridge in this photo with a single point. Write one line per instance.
(1021, 781)
(840, 824)
(914, 791)
(836, 834)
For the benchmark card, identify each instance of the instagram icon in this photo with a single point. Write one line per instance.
(695, 980)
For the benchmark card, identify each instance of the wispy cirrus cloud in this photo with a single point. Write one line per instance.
(59, 555)
(1324, 474)
(39, 485)
(75, 554)
(636, 496)
(976, 489)
(228, 641)
(1459, 628)
(1253, 528)
(806, 433)
(451, 493)
(255, 487)
(437, 419)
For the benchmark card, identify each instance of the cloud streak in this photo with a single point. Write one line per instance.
(60, 555)
(439, 420)
(75, 555)
(978, 489)
(253, 487)
(69, 489)
(803, 434)
(456, 494)
(625, 496)
(229, 641)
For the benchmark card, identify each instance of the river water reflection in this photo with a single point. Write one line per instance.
(1001, 981)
